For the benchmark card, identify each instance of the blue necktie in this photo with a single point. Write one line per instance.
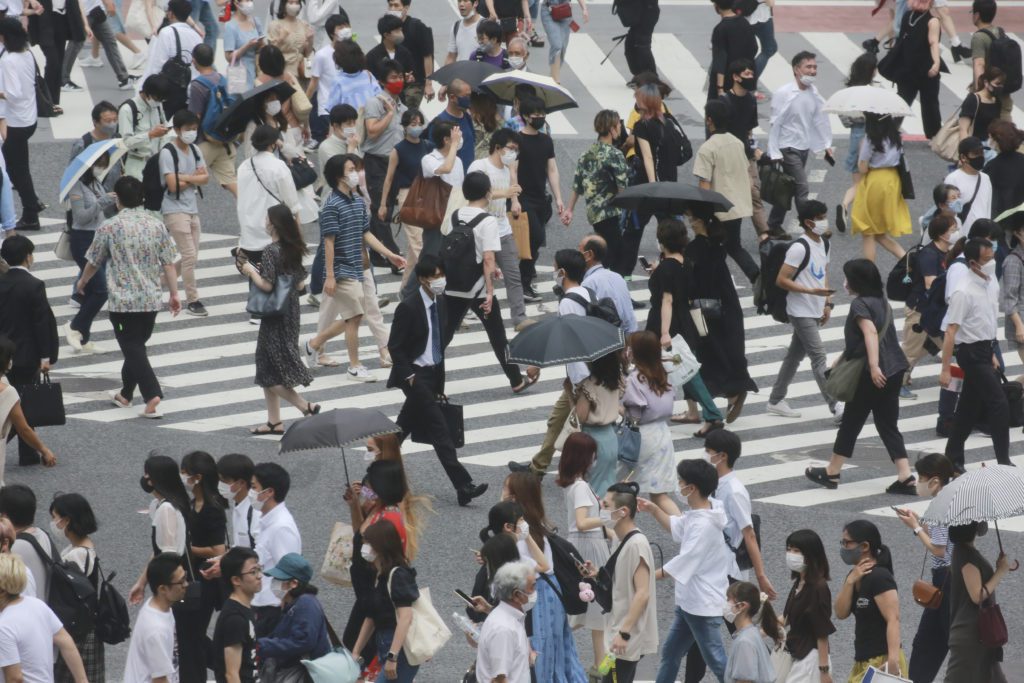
(435, 339)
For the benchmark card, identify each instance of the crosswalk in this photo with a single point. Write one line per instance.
(206, 366)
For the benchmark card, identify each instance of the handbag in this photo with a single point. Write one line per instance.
(425, 203)
(521, 234)
(946, 143)
(337, 565)
(427, 633)
(273, 303)
(628, 433)
(680, 363)
(301, 106)
(906, 180)
(337, 666)
(711, 308)
(560, 12)
(777, 187)
(842, 380)
(925, 594)
(991, 625)
(1014, 392)
(697, 314)
(570, 426)
(42, 402)
(303, 173)
(452, 413)
(62, 248)
(238, 78)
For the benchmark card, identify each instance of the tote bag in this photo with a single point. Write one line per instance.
(42, 403)
(427, 633)
(425, 203)
(946, 142)
(570, 426)
(337, 565)
(62, 249)
(273, 303)
(680, 363)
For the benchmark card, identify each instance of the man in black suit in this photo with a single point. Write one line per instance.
(417, 353)
(27, 319)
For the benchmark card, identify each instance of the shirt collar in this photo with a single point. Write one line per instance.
(427, 301)
(19, 268)
(594, 268)
(508, 610)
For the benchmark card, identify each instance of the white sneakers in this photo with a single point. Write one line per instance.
(359, 373)
(90, 61)
(73, 337)
(782, 409)
(308, 354)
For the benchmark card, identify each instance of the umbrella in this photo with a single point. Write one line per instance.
(239, 113)
(472, 73)
(1017, 213)
(503, 86)
(565, 339)
(86, 158)
(667, 197)
(336, 429)
(867, 98)
(987, 494)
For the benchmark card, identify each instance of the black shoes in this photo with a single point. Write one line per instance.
(469, 492)
(960, 52)
(28, 225)
(639, 305)
(530, 295)
(840, 218)
(514, 466)
(907, 487)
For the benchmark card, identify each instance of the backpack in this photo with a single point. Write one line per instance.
(565, 559)
(902, 276)
(135, 116)
(597, 308)
(1004, 53)
(176, 69)
(113, 625)
(743, 560)
(215, 106)
(676, 146)
(153, 180)
(935, 305)
(458, 253)
(769, 298)
(72, 596)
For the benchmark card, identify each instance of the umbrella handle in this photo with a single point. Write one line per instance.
(1016, 563)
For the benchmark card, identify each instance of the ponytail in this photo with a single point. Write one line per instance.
(759, 608)
(884, 558)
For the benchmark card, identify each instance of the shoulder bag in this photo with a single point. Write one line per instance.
(62, 249)
(946, 142)
(628, 433)
(427, 633)
(273, 303)
(425, 203)
(44, 102)
(680, 363)
(570, 426)
(991, 625)
(843, 378)
(303, 173)
(906, 180)
(560, 12)
(602, 582)
(777, 187)
(925, 594)
(337, 565)
(337, 666)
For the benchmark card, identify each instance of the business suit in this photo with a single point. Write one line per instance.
(27, 320)
(420, 415)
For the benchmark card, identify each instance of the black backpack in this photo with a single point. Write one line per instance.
(72, 595)
(565, 563)
(769, 298)
(1004, 54)
(676, 149)
(458, 253)
(597, 308)
(153, 187)
(934, 305)
(176, 69)
(113, 625)
(743, 560)
(902, 276)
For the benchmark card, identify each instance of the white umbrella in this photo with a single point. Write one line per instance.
(503, 86)
(115, 147)
(867, 98)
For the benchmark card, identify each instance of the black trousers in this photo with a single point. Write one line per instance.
(981, 399)
(421, 414)
(629, 243)
(18, 377)
(928, 89)
(609, 230)
(931, 643)
(376, 168)
(457, 307)
(884, 407)
(53, 53)
(734, 247)
(538, 212)
(639, 57)
(15, 151)
(132, 331)
(193, 644)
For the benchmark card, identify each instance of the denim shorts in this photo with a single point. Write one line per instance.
(856, 135)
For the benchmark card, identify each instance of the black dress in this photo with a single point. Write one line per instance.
(722, 354)
(1007, 173)
(277, 347)
(675, 278)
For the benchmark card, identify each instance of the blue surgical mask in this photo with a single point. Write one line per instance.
(995, 247)
(956, 206)
(463, 102)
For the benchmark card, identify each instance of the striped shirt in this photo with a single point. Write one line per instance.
(939, 535)
(345, 218)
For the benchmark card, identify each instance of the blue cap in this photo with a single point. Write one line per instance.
(292, 566)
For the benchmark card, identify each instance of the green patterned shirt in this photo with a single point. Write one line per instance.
(600, 175)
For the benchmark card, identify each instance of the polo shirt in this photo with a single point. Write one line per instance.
(345, 219)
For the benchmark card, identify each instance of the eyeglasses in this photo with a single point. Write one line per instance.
(183, 582)
(255, 571)
(845, 543)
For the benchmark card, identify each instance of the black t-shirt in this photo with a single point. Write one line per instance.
(876, 309)
(928, 264)
(869, 639)
(743, 117)
(733, 38)
(670, 277)
(209, 527)
(981, 113)
(504, 8)
(403, 593)
(235, 627)
(376, 56)
(419, 41)
(809, 617)
(534, 152)
(653, 131)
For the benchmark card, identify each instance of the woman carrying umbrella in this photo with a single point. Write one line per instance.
(862, 72)
(879, 211)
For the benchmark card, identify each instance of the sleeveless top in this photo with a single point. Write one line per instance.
(963, 613)
(8, 399)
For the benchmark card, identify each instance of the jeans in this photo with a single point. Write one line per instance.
(806, 341)
(319, 125)
(95, 290)
(765, 32)
(8, 218)
(202, 13)
(685, 630)
(928, 88)
(931, 642)
(734, 247)
(406, 671)
(639, 57)
(981, 398)
(104, 33)
(132, 331)
(457, 307)
(15, 151)
(508, 261)
(793, 163)
(317, 273)
(883, 405)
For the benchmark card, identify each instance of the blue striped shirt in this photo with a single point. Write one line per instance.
(345, 219)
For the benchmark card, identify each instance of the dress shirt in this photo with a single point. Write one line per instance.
(974, 309)
(504, 649)
(735, 501)
(798, 121)
(163, 47)
(577, 372)
(277, 537)
(263, 181)
(426, 359)
(241, 525)
(608, 284)
(18, 82)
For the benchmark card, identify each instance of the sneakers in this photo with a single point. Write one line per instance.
(960, 52)
(906, 394)
(197, 309)
(74, 337)
(91, 347)
(530, 295)
(71, 86)
(90, 61)
(254, 321)
(782, 409)
(311, 145)
(128, 83)
(308, 354)
(837, 413)
(359, 373)
(313, 301)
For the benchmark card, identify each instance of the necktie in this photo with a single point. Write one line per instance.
(435, 338)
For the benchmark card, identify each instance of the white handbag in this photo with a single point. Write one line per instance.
(570, 426)
(874, 675)
(680, 363)
(238, 78)
(62, 249)
(427, 633)
(337, 566)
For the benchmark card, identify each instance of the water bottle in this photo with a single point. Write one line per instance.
(607, 664)
(468, 627)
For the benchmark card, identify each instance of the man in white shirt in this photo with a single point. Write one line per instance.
(18, 505)
(142, 125)
(324, 72)
(152, 654)
(804, 278)
(971, 327)
(278, 535)
(798, 127)
(263, 181)
(974, 185)
(235, 473)
(462, 43)
(504, 653)
(165, 46)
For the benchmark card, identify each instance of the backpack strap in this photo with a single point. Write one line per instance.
(573, 296)
(177, 42)
(135, 112)
(174, 158)
(248, 529)
(195, 156)
(50, 560)
(470, 224)
(807, 256)
(455, 28)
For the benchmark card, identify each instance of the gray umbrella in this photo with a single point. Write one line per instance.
(565, 339)
(336, 429)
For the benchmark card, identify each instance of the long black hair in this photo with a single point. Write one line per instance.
(862, 71)
(808, 542)
(203, 464)
(293, 247)
(863, 531)
(883, 128)
(164, 475)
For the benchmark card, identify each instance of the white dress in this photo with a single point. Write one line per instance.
(656, 466)
(8, 399)
(592, 545)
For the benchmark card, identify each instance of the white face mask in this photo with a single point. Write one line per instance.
(245, 8)
(366, 552)
(437, 286)
(352, 179)
(509, 157)
(395, 13)
(531, 600)
(820, 227)
(516, 62)
(556, 277)
(608, 519)
(292, 9)
(55, 528)
(989, 269)
(343, 33)
(254, 499)
(224, 489)
(348, 131)
(795, 562)
(952, 237)
(708, 458)
(729, 612)
(807, 80)
(273, 107)
(189, 136)
(459, 146)
(278, 589)
(185, 481)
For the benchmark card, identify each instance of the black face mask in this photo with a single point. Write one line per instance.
(977, 163)
(748, 83)
(144, 483)
(537, 122)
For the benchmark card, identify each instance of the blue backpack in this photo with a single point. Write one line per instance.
(933, 308)
(215, 106)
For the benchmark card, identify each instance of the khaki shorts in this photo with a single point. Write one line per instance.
(220, 160)
(347, 302)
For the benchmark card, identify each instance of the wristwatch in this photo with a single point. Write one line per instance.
(392, 657)
(829, 304)
(918, 530)
(624, 635)
(824, 669)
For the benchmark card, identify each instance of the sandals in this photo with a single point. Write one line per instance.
(702, 433)
(736, 407)
(311, 409)
(526, 383)
(272, 429)
(684, 419)
(820, 476)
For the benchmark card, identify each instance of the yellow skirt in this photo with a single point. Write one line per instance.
(879, 207)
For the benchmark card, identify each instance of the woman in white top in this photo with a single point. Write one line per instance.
(445, 164)
(586, 524)
(880, 213)
(168, 534)
(11, 415)
(71, 516)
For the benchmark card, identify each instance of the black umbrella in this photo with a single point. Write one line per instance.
(336, 429)
(472, 73)
(671, 198)
(237, 116)
(565, 339)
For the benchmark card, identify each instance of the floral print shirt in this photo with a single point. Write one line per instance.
(600, 174)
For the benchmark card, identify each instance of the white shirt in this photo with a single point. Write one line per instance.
(501, 179)
(973, 308)
(761, 14)
(463, 42)
(26, 637)
(426, 359)
(577, 372)
(269, 184)
(503, 649)
(315, 13)
(526, 556)
(39, 573)
(151, 651)
(163, 47)
(798, 121)
(326, 71)
(798, 304)
(485, 238)
(701, 568)
(431, 162)
(169, 525)
(735, 500)
(278, 536)
(957, 277)
(18, 83)
(579, 495)
(240, 523)
(965, 182)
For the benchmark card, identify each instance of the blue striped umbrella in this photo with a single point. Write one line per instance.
(87, 157)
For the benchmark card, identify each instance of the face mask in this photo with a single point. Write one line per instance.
(273, 107)
(977, 163)
(225, 490)
(923, 488)
(531, 600)
(956, 206)
(437, 286)
(278, 589)
(795, 562)
(463, 102)
(184, 481)
(995, 89)
(292, 10)
(366, 552)
(462, 141)
(729, 612)
(807, 80)
(820, 227)
(557, 277)
(245, 8)
(523, 531)
(608, 519)
(366, 494)
(989, 269)
(995, 248)
(189, 136)
(708, 458)
(952, 237)
(399, 39)
(685, 494)
(748, 83)
(55, 528)
(394, 87)
(145, 485)
(850, 556)
(254, 499)
(343, 34)
(414, 131)
(508, 158)
(352, 179)
(537, 122)
(108, 128)
(348, 131)
(395, 13)
(516, 62)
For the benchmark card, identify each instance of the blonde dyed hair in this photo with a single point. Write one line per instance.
(13, 574)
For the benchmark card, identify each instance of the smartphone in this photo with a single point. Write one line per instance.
(644, 262)
(896, 510)
(465, 597)
(830, 160)
(573, 26)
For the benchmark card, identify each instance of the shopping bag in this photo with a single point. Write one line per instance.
(427, 633)
(238, 78)
(42, 403)
(337, 564)
(680, 363)
(874, 675)
(521, 234)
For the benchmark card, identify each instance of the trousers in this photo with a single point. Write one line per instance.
(538, 211)
(559, 414)
(15, 151)
(104, 33)
(981, 398)
(931, 642)
(508, 261)
(132, 331)
(928, 89)
(884, 407)
(639, 57)
(734, 247)
(806, 341)
(457, 308)
(793, 163)
(376, 168)
(421, 413)
(95, 290)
